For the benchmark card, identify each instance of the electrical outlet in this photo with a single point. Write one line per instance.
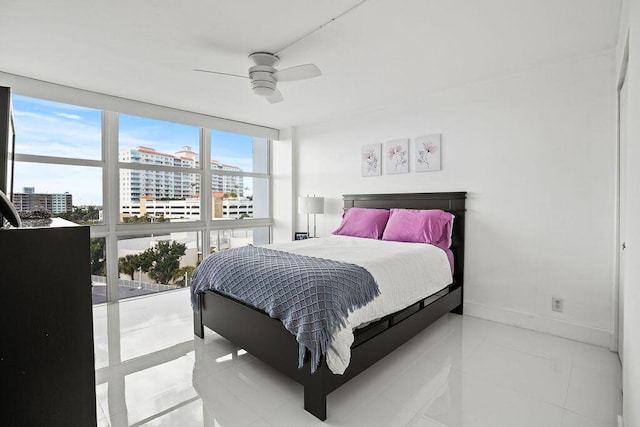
(557, 304)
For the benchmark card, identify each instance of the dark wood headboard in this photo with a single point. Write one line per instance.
(453, 202)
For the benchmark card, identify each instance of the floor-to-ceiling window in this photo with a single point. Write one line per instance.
(159, 195)
(159, 175)
(58, 173)
(239, 190)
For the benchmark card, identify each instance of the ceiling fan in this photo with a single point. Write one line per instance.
(265, 77)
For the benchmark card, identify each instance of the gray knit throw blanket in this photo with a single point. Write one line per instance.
(311, 296)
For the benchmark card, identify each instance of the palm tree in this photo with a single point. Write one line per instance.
(129, 264)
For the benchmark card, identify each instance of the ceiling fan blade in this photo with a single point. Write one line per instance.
(218, 72)
(275, 97)
(299, 72)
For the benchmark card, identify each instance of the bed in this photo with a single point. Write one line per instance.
(268, 340)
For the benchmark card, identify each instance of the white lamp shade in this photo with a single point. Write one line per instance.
(311, 205)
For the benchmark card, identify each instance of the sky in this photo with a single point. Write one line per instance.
(62, 130)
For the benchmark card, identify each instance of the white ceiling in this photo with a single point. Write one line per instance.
(381, 52)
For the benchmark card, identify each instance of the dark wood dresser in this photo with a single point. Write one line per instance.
(46, 339)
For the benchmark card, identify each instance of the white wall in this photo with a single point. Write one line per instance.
(536, 153)
(630, 24)
(283, 186)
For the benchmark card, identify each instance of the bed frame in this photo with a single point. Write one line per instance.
(268, 340)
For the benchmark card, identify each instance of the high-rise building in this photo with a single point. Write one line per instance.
(29, 201)
(164, 185)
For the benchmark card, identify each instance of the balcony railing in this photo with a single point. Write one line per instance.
(134, 284)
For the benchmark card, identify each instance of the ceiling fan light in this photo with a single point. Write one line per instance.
(263, 90)
(263, 87)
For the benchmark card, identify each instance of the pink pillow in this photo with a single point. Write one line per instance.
(420, 226)
(362, 222)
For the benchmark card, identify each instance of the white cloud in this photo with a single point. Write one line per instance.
(69, 116)
(47, 135)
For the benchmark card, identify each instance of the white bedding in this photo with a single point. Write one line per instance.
(405, 273)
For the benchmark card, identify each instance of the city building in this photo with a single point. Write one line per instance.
(166, 185)
(29, 201)
(189, 208)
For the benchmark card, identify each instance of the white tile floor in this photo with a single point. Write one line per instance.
(461, 371)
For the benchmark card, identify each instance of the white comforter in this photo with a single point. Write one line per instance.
(405, 273)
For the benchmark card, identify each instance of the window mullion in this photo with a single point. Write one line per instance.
(206, 207)
(111, 197)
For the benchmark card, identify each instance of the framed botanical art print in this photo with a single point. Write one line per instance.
(370, 164)
(428, 153)
(396, 155)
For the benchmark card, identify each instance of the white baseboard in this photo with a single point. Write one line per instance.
(620, 421)
(574, 331)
